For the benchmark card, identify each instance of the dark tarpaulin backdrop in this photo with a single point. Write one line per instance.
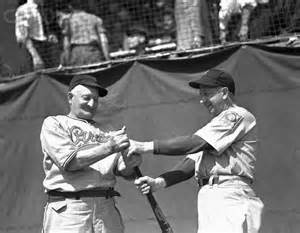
(153, 99)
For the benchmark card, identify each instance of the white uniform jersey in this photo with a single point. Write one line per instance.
(233, 136)
(61, 137)
(228, 207)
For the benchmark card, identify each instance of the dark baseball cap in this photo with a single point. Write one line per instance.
(214, 78)
(87, 80)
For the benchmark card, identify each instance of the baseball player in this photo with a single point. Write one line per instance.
(222, 156)
(81, 163)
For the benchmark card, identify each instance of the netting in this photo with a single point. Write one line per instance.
(81, 32)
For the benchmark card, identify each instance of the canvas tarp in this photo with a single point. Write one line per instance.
(153, 99)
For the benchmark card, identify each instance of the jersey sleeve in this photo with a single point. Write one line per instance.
(225, 129)
(57, 143)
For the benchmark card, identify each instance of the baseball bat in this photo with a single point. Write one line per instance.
(160, 217)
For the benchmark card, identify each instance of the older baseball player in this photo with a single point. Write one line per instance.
(222, 156)
(81, 163)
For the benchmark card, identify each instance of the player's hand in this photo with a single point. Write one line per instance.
(148, 184)
(129, 162)
(137, 147)
(117, 132)
(119, 140)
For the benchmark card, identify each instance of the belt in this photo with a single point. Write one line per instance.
(218, 179)
(54, 195)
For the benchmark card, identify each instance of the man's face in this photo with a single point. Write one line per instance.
(168, 22)
(212, 99)
(83, 102)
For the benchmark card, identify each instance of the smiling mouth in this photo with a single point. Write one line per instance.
(209, 106)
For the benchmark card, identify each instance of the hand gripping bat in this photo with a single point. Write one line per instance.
(160, 217)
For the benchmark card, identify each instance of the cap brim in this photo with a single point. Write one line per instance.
(102, 91)
(194, 84)
(197, 84)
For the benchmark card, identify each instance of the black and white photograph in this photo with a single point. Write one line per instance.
(150, 116)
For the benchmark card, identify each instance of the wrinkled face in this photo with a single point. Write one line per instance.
(83, 102)
(212, 99)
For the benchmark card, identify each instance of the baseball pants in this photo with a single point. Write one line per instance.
(88, 215)
(229, 207)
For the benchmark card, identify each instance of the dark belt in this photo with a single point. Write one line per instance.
(216, 179)
(54, 195)
(204, 181)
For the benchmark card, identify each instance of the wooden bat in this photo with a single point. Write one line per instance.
(160, 217)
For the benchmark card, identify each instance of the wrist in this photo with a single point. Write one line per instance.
(160, 183)
(110, 146)
(148, 147)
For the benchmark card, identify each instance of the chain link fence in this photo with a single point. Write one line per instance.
(72, 33)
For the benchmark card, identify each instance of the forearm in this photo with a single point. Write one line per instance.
(89, 155)
(66, 48)
(104, 45)
(184, 170)
(31, 49)
(180, 145)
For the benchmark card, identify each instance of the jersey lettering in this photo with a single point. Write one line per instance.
(79, 136)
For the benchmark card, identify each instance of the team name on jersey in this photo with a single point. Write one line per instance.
(81, 137)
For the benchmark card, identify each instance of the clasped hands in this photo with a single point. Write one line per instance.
(131, 151)
(119, 142)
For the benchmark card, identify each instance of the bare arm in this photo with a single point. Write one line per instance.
(104, 45)
(102, 38)
(66, 32)
(36, 58)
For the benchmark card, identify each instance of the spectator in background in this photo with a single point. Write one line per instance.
(117, 20)
(136, 38)
(165, 26)
(29, 30)
(5, 69)
(295, 21)
(63, 13)
(85, 40)
(193, 30)
(230, 7)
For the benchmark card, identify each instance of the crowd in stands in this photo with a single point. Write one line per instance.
(82, 32)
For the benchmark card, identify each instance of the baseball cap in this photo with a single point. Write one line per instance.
(87, 80)
(214, 78)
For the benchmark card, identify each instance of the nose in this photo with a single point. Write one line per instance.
(92, 103)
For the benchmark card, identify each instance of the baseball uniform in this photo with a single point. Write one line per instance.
(230, 167)
(61, 137)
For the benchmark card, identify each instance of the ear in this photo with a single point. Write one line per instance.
(70, 96)
(225, 92)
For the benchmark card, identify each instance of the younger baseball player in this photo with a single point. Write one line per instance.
(223, 155)
(81, 163)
